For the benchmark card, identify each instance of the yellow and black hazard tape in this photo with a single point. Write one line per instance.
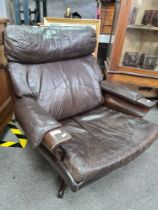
(22, 139)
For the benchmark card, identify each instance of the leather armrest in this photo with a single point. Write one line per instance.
(37, 123)
(126, 94)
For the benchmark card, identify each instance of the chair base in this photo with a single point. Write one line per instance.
(62, 189)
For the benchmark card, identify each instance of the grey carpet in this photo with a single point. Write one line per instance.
(28, 182)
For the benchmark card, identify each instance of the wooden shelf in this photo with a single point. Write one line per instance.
(134, 38)
(142, 27)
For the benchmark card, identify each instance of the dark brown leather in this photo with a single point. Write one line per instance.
(59, 167)
(64, 88)
(66, 94)
(125, 93)
(27, 44)
(121, 105)
(120, 90)
(103, 140)
(35, 121)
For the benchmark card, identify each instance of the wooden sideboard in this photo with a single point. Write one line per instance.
(6, 104)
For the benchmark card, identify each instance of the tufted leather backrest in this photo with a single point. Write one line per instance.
(65, 87)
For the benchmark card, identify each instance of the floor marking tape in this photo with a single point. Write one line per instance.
(20, 136)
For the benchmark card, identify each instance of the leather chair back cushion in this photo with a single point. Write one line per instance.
(64, 88)
(27, 44)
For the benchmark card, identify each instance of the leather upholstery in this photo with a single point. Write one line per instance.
(63, 88)
(27, 44)
(35, 121)
(125, 93)
(123, 99)
(120, 105)
(102, 140)
(57, 85)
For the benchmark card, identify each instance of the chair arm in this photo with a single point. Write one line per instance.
(37, 123)
(55, 138)
(126, 94)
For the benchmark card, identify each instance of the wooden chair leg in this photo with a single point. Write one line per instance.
(62, 189)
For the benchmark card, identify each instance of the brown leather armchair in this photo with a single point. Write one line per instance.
(83, 126)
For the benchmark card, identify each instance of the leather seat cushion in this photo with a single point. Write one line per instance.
(102, 140)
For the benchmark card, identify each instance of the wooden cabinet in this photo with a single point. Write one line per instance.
(6, 104)
(134, 58)
(106, 17)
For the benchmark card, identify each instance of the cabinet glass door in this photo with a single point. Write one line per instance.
(140, 49)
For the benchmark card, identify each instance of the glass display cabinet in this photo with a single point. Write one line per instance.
(134, 58)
